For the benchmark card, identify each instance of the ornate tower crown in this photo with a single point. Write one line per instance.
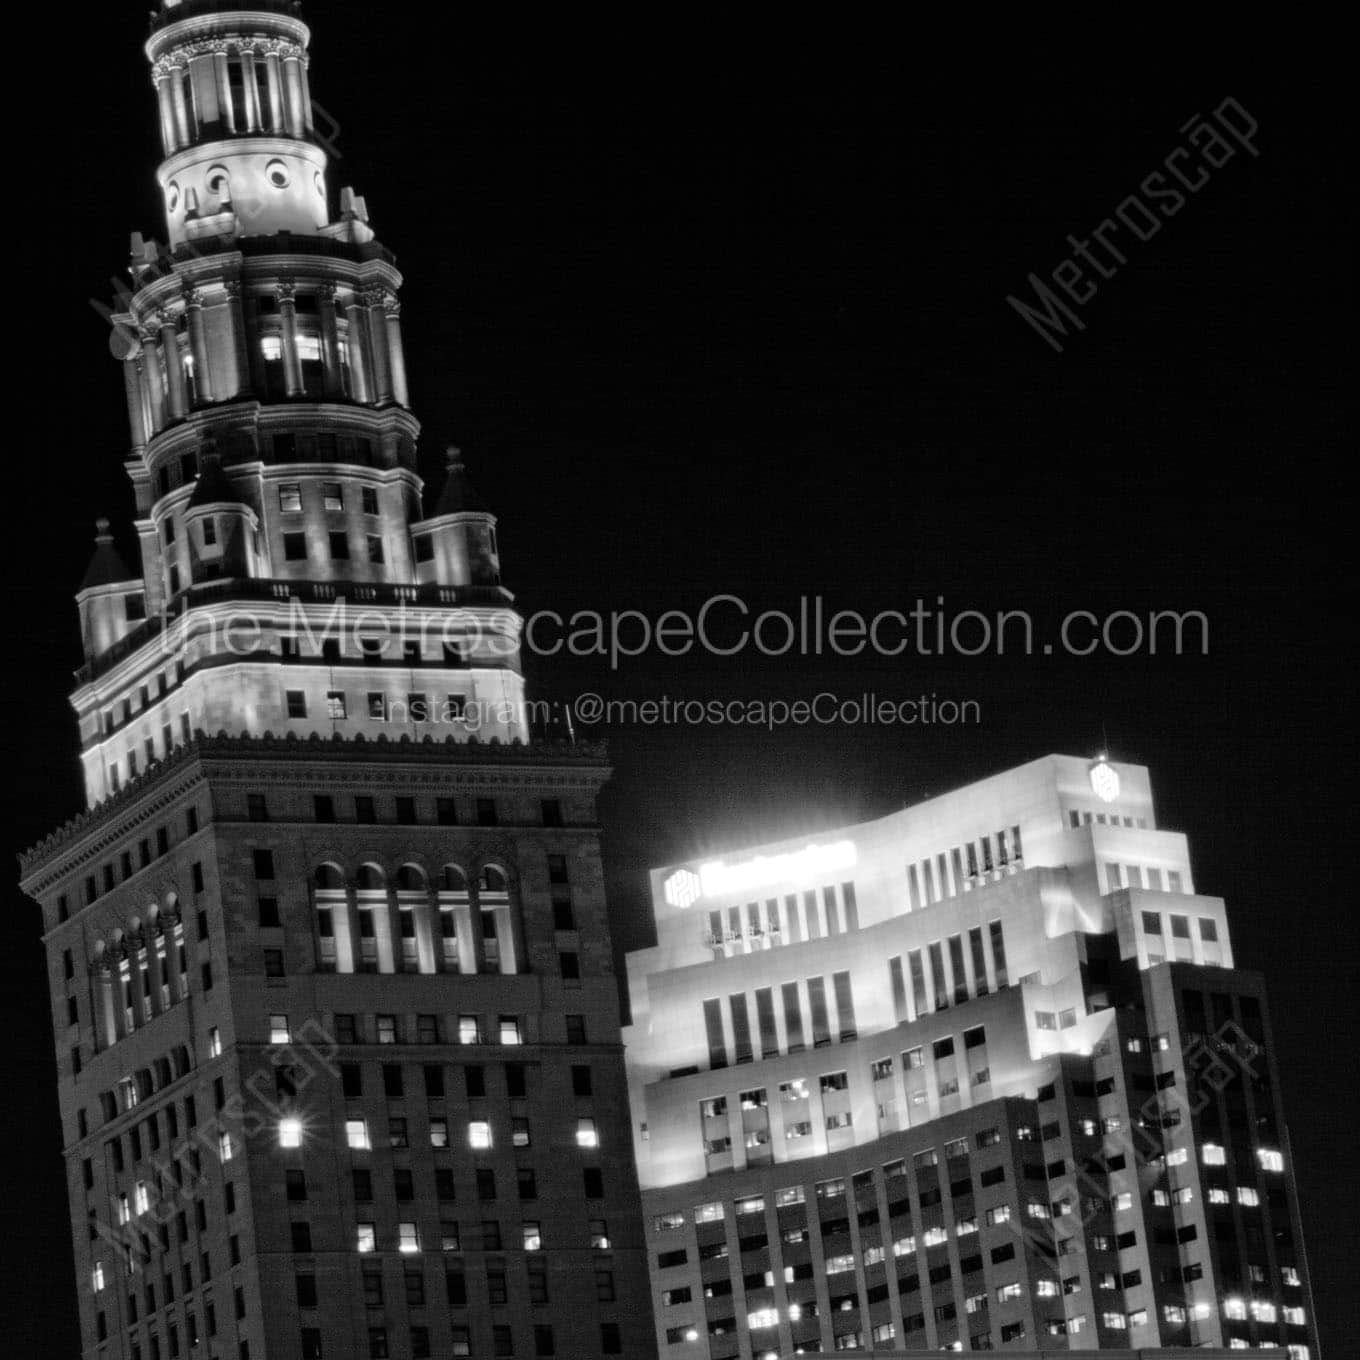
(273, 449)
(241, 152)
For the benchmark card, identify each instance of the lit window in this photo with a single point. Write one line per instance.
(1247, 1195)
(1179, 1157)
(335, 704)
(124, 1211)
(469, 1030)
(1217, 1195)
(1046, 1289)
(533, 1237)
(365, 1238)
(387, 1029)
(439, 1133)
(1116, 1322)
(356, 1134)
(290, 497)
(599, 1234)
(332, 497)
(763, 1317)
(1263, 1311)
(904, 1246)
(509, 1029)
(214, 1042)
(1235, 1310)
(838, 1265)
(1290, 1275)
(271, 348)
(1294, 1316)
(278, 1029)
(1123, 1201)
(586, 1135)
(1212, 1155)
(934, 1237)
(1001, 1214)
(965, 1226)
(224, 1148)
(290, 1133)
(1008, 1292)
(1161, 1199)
(408, 1240)
(141, 1198)
(1269, 1159)
(479, 1135)
(97, 1277)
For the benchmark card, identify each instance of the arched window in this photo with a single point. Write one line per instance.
(492, 880)
(371, 878)
(453, 880)
(329, 878)
(182, 1063)
(410, 879)
(163, 1077)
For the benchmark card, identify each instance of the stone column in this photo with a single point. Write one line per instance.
(240, 337)
(292, 365)
(358, 351)
(305, 92)
(396, 353)
(132, 386)
(169, 138)
(377, 334)
(274, 78)
(180, 108)
(330, 344)
(225, 104)
(292, 88)
(155, 387)
(347, 946)
(174, 369)
(198, 346)
(250, 85)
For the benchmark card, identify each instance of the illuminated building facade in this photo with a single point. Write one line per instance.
(337, 1029)
(978, 1075)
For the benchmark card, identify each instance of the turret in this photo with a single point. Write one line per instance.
(110, 598)
(457, 545)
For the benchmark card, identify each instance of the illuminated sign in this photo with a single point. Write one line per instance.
(1104, 781)
(682, 888)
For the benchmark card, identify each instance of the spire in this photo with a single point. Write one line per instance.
(106, 566)
(458, 495)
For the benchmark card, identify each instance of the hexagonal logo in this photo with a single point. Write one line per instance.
(681, 888)
(1104, 781)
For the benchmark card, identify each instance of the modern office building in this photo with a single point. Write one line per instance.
(980, 1074)
(336, 1022)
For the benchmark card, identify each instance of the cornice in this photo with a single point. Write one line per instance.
(451, 762)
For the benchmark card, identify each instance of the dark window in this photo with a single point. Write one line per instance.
(301, 1237)
(364, 810)
(406, 811)
(269, 911)
(486, 812)
(273, 963)
(323, 807)
(295, 547)
(552, 811)
(592, 1181)
(446, 812)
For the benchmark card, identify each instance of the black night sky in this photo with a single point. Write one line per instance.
(707, 315)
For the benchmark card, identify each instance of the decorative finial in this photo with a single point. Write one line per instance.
(454, 455)
(101, 531)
